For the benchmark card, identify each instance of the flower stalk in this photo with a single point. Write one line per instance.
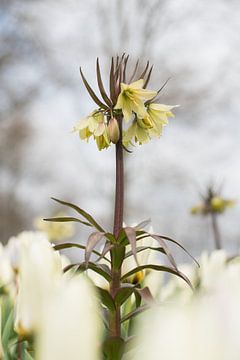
(216, 232)
(115, 318)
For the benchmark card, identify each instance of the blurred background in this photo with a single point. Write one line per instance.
(195, 43)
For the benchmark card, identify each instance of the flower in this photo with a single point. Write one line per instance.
(220, 205)
(214, 204)
(6, 271)
(159, 114)
(71, 324)
(132, 97)
(94, 125)
(40, 271)
(150, 125)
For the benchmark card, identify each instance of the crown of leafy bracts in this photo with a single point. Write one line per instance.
(128, 99)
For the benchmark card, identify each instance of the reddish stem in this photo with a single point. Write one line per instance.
(115, 317)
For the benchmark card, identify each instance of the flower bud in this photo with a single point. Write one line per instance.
(113, 129)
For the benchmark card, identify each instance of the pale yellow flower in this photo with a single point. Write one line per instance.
(150, 125)
(159, 114)
(220, 205)
(94, 125)
(132, 98)
(137, 133)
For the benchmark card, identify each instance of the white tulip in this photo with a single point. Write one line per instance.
(40, 271)
(71, 326)
(206, 328)
(14, 245)
(6, 272)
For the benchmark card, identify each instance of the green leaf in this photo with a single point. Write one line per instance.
(67, 219)
(123, 294)
(100, 269)
(8, 330)
(157, 268)
(81, 212)
(138, 299)
(82, 247)
(113, 348)
(106, 299)
(135, 312)
(118, 253)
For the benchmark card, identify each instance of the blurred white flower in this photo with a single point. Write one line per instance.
(71, 326)
(197, 331)
(14, 245)
(6, 272)
(40, 271)
(211, 268)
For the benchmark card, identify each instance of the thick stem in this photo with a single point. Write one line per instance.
(115, 318)
(216, 233)
(119, 190)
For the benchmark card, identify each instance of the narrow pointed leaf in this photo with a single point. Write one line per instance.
(146, 295)
(125, 68)
(135, 312)
(112, 83)
(131, 235)
(107, 247)
(92, 93)
(162, 243)
(143, 248)
(142, 224)
(67, 219)
(182, 247)
(106, 299)
(82, 247)
(81, 212)
(134, 71)
(100, 269)
(157, 268)
(93, 240)
(148, 78)
(101, 86)
(142, 234)
(123, 294)
(156, 97)
(144, 71)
